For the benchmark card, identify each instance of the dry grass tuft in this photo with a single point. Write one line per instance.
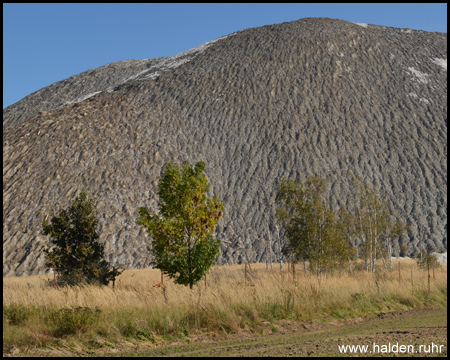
(36, 315)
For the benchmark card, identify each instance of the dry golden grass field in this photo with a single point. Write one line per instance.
(101, 319)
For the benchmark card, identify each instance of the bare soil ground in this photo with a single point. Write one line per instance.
(418, 327)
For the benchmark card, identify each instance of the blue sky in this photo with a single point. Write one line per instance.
(46, 43)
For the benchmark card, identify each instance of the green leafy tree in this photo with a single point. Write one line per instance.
(184, 246)
(78, 255)
(347, 227)
(377, 224)
(427, 259)
(291, 213)
(311, 226)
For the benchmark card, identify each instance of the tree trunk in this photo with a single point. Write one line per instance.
(293, 272)
(390, 255)
(270, 252)
(384, 263)
(363, 238)
(375, 244)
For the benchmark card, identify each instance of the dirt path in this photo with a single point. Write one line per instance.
(414, 328)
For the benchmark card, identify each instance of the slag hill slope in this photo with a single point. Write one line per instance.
(311, 97)
(75, 89)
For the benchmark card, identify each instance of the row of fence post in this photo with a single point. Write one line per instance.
(399, 272)
(326, 271)
(55, 284)
(246, 272)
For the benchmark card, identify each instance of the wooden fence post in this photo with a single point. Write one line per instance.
(362, 267)
(293, 274)
(55, 284)
(245, 273)
(163, 289)
(114, 276)
(289, 271)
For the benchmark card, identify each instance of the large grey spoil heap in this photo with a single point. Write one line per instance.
(311, 97)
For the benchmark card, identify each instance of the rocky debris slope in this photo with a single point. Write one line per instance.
(75, 89)
(311, 97)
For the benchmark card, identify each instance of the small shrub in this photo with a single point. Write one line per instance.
(185, 331)
(289, 302)
(16, 314)
(227, 329)
(274, 310)
(143, 333)
(70, 321)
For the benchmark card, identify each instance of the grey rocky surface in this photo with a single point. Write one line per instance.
(75, 89)
(310, 97)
